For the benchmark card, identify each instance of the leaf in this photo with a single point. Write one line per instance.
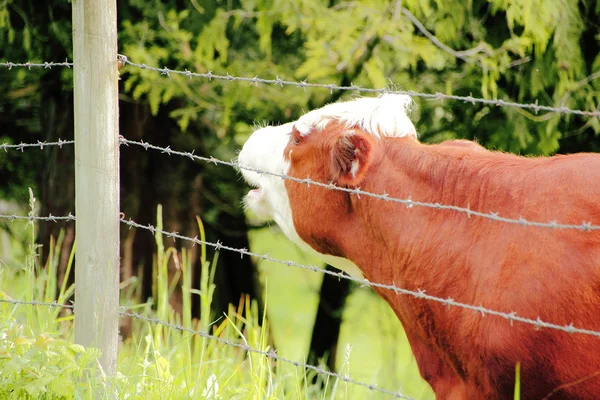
(446, 31)
(520, 45)
(77, 348)
(184, 116)
(375, 73)
(168, 93)
(154, 98)
(264, 27)
(26, 38)
(213, 39)
(517, 392)
(596, 63)
(11, 35)
(23, 341)
(143, 87)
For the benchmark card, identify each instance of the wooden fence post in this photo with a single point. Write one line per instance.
(96, 177)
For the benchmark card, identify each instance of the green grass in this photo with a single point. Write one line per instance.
(39, 361)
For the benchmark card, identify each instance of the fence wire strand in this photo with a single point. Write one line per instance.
(29, 65)
(271, 354)
(538, 323)
(585, 226)
(419, 294)
(52, 304)
(408, 202)
(331, 87)
(31, 218)
(40, 144)
(123, 60)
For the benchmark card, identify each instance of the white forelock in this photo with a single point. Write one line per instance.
(383, 116)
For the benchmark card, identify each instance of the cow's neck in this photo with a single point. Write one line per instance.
(400, 244)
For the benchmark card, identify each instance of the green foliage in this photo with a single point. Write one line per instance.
(37, 357)
(517, 395)
(39, 365)
(523, 50)
(29, 32)
(39, 360)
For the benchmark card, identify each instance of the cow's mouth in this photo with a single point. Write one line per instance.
(255, 190)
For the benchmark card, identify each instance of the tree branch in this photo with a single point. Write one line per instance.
(463, 54)
(458, 54)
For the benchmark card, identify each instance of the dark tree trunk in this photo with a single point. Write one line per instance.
(326, 331)
(56, 179)
(236, 275)
(56, 186)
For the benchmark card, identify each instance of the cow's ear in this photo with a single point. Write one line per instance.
(350, 158)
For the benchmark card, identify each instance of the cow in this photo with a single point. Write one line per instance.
(370, 144)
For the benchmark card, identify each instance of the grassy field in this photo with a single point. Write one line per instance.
(38, 359)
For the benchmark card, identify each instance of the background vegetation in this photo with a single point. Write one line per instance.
(529, 51)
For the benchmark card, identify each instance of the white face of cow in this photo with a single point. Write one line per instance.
(269, 201)
(264, 151)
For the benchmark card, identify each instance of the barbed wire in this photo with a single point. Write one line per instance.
(585, 226)
(271, 354)
(40, 144)
(53, 304)
(331, 87)
(408, 202)
(122, 59)
(31, 218)
(29, 65)
(419, 294)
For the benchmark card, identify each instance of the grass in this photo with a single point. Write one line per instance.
(38, 359)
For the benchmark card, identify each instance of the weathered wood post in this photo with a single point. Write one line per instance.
(96, 177)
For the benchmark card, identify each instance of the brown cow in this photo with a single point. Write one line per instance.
(553, 274)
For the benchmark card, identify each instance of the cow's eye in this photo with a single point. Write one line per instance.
(296, 140)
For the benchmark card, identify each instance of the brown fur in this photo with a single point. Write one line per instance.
(553, 274)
